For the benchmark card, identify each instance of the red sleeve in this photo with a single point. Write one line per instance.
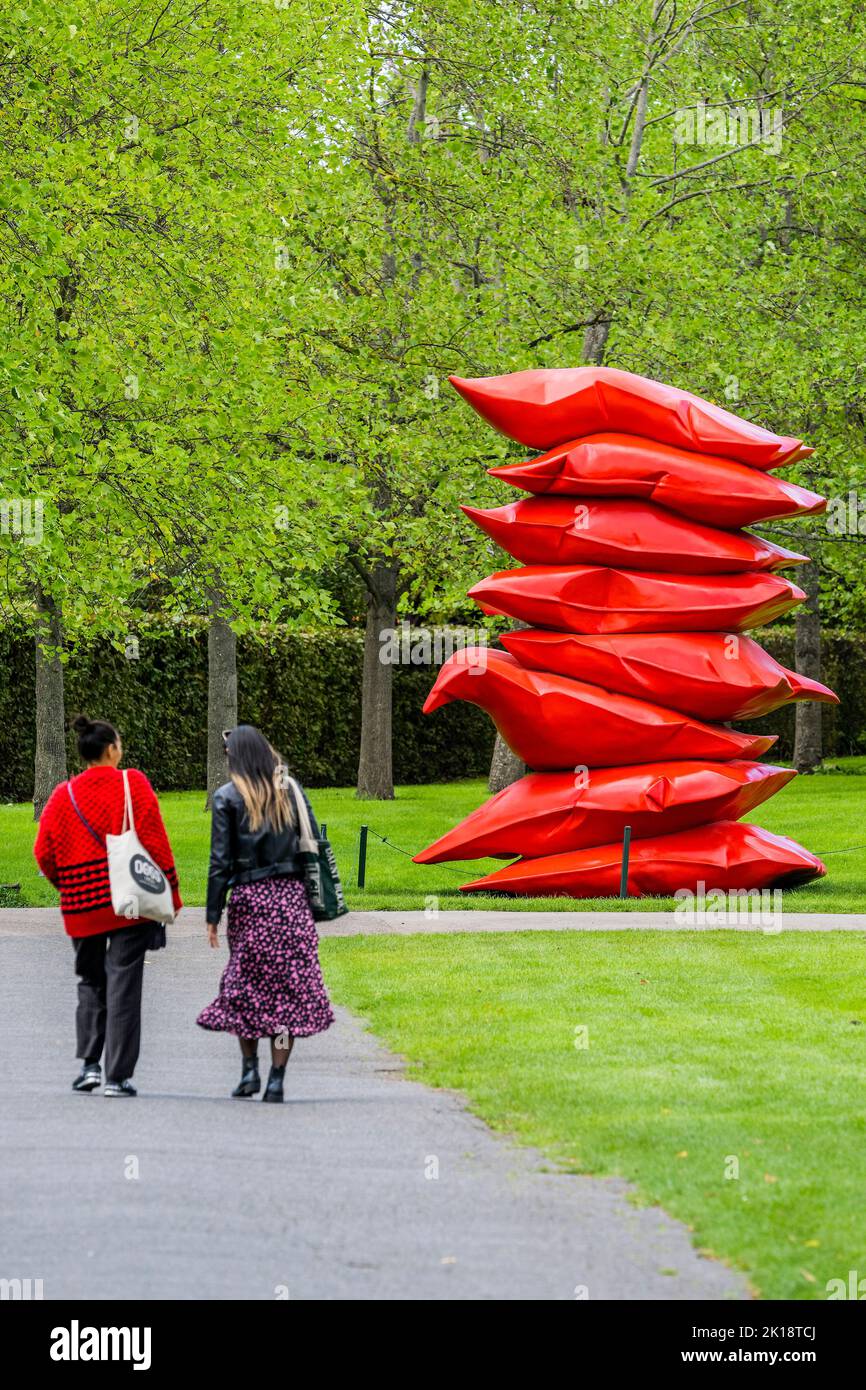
(43, 849)
(151, 830)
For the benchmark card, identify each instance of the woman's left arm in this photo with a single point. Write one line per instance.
(220, 867)
(43, 849)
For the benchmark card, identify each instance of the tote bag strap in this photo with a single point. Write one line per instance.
(305, 830)
(127, 805)
(82, 817)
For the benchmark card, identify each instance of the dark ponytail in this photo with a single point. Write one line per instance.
(94, 736)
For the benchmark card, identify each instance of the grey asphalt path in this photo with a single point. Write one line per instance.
(26, 920)
(408, 923)
(184, 1193)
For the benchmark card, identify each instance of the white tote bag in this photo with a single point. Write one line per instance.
(139, 888)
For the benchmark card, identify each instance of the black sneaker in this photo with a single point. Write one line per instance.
(119, 1088)
(88, 1078)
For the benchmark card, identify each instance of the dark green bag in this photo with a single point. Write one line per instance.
(321, 878)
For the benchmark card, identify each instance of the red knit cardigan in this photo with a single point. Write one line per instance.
(70, 858)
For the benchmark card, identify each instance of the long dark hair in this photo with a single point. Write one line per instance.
(260, 776)
(94, 736)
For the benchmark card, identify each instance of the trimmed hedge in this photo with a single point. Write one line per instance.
(843, 668)
(303, 689)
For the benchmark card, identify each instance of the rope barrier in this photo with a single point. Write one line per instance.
(383, 839)
(409, 854)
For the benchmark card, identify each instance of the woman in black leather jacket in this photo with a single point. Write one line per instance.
(272, 986)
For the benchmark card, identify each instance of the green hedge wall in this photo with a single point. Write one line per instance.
(843, 668)
(303, 690)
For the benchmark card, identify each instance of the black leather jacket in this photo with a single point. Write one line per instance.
(241, 855)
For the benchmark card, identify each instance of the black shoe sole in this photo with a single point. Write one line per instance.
(274, 1100)
(91, 1086)
(244, 1092)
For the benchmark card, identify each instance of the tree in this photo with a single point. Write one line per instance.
(137, 283)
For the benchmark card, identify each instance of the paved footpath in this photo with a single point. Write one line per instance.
(408, 923)
(185, 1193)
(26, 920)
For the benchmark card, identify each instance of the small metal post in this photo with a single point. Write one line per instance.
(626, 846)
(362, 857)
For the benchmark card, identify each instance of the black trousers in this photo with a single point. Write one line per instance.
(110, 967)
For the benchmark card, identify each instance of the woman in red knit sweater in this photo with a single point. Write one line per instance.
(109, 950)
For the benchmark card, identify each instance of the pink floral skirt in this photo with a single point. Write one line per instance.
(273, 982)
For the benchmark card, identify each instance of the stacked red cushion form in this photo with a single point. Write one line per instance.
(637, 583)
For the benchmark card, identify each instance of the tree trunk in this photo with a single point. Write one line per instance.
(375, 766)
(50, 763)
(595, 338)
(808, 751)
(222, 690)
(505, 766)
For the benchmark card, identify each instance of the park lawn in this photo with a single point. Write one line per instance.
(708, 1054)
(826, 813)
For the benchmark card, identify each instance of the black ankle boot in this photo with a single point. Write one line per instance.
(274, 1088)
(250, 1083)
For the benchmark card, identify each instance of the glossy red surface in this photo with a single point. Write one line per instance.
(548, 406)
(636, 583)
(711, 675)
(551, 812)
(584, 531)
(716, 491)
(552, 722)
(725, 855)
(594, 598)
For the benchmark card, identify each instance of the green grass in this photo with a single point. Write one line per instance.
(703, 1049)
(825, 813)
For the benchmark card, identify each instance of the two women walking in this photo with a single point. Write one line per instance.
(272, 986)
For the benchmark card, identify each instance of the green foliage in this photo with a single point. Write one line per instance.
(242, 246)
(142, 366)
(474, 204)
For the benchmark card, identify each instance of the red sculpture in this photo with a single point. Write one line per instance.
(726, 855)
(716, 491)
(583, 531)
(546, 406)
(635, 610)
(711, 675)
(590, 598)
(551, 812)
(554, 722)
